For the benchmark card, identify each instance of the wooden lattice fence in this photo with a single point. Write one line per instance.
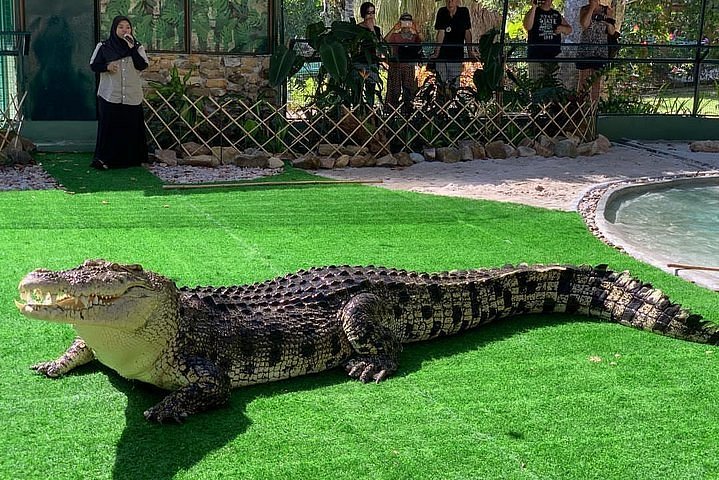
(234, 122)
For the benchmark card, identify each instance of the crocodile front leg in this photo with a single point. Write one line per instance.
(208, 387)
(365, 320)
(77, 354)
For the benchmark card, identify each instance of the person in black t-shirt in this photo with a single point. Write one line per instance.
(454, 29)
(545, 27)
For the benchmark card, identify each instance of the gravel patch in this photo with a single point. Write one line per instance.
(225, 173)
(26, 177)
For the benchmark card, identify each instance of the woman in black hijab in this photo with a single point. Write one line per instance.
(121, 138)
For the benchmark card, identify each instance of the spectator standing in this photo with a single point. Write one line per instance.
(454, 28)
(401, 77)
(545, 27)
(368, 12)
(597, 21)
(121, 140)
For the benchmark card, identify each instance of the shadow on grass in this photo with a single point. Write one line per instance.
(150, 451)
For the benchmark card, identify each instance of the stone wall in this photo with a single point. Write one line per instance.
(213, 75)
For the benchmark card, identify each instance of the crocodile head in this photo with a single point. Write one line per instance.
(98, 293)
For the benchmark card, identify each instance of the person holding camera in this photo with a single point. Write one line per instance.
(406, 51)
(597, 22)
(545, 27)
(121, 140)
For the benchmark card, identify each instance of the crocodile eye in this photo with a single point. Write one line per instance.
(134, 267)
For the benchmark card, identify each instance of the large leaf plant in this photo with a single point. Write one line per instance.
(349, 56)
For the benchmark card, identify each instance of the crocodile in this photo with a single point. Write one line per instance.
(199, 343)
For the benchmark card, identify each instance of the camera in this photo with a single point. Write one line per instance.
(598, 17)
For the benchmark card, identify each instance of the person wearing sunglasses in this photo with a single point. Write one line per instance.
(367, 62)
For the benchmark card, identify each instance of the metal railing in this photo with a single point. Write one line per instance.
(669, 78)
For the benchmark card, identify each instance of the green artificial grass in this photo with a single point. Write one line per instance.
(545, 396)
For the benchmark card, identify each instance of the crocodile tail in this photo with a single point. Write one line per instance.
(621, 298)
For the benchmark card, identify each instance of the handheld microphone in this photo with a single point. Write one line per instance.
(129, 38)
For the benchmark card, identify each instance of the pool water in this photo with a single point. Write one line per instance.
(679, 224)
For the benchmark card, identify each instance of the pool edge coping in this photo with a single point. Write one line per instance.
(592, 207)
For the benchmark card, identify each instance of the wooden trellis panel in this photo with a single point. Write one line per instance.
(260, 125)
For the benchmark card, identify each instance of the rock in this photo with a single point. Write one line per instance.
(342, 161)
(16, 156)
(510, 150)
(546, 142)
(19, 142)
(200, 161)
(496, 149)
(168, 157)
(430, 154)
(603, 143)
(526, 142)
(575, 140)
(258, 160)
(274, 162)
(710, 146)
(566, 148)
(387, 161)
(358, 161)
(353, 150)
(526, 151)
(587, 149)
(471, 149)
(465, 153)
(327, 149)
(4, 161)
(328, 163)
(193, 149)
(544, 150)
(404, 159)
(478, 151)
(226, 155)
(416, 157)
(448, 154)
(308, 161)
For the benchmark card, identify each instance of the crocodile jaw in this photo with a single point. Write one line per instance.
(100, 310)
(97, 293)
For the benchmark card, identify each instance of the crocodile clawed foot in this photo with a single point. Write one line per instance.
(50, 369)
(367, 369)
(161, 414)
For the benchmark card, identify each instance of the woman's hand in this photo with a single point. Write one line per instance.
(113, 67)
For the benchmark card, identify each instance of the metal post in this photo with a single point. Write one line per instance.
(698, 59)
(502, 34)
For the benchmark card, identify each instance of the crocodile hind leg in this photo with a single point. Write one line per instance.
(366, 321)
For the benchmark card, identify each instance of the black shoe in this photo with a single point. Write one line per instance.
(99, 164)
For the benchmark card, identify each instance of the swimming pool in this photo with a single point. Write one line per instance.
(667, 222)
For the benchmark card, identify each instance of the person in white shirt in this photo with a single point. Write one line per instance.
(121, 140)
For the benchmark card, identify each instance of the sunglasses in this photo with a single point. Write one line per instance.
(370, 12)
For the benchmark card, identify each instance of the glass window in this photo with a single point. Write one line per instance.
(160, 24)
(230, 26)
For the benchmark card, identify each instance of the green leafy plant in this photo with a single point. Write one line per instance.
(488, 79)
(348, 73)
